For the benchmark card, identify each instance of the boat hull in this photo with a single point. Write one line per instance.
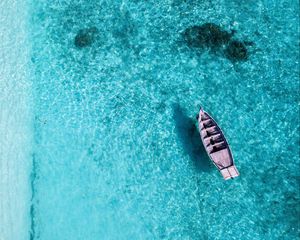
(216, 145)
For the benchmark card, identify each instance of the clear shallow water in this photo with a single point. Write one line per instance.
(15, 121)
(116, 152)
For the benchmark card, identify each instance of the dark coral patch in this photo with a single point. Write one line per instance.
(85, 37)
(236, 51)
(213, 37)
(207, 35)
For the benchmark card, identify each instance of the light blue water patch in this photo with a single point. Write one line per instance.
(117, 153)
(15, 121)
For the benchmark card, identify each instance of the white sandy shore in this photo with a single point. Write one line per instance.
(15, 121)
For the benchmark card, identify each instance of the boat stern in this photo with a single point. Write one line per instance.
(229, 172)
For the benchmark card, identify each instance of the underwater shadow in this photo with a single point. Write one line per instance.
(190, 138)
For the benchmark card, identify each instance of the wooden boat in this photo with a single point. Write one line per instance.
(216, 145)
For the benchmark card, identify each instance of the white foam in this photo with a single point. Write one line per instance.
(15, 121)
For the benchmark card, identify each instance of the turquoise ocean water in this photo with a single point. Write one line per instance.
(16, 129)
(115, 90)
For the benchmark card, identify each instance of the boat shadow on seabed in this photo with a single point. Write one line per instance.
(190, 138)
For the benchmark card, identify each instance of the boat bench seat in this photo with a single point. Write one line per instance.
(217, 147)
(207, 124)
(213, 140)
(208, 132)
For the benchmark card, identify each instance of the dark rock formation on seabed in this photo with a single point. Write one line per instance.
(236, 51)
(85, 37)
(213, 37)
(207, 35)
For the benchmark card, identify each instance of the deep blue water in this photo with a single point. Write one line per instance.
(116, 151)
